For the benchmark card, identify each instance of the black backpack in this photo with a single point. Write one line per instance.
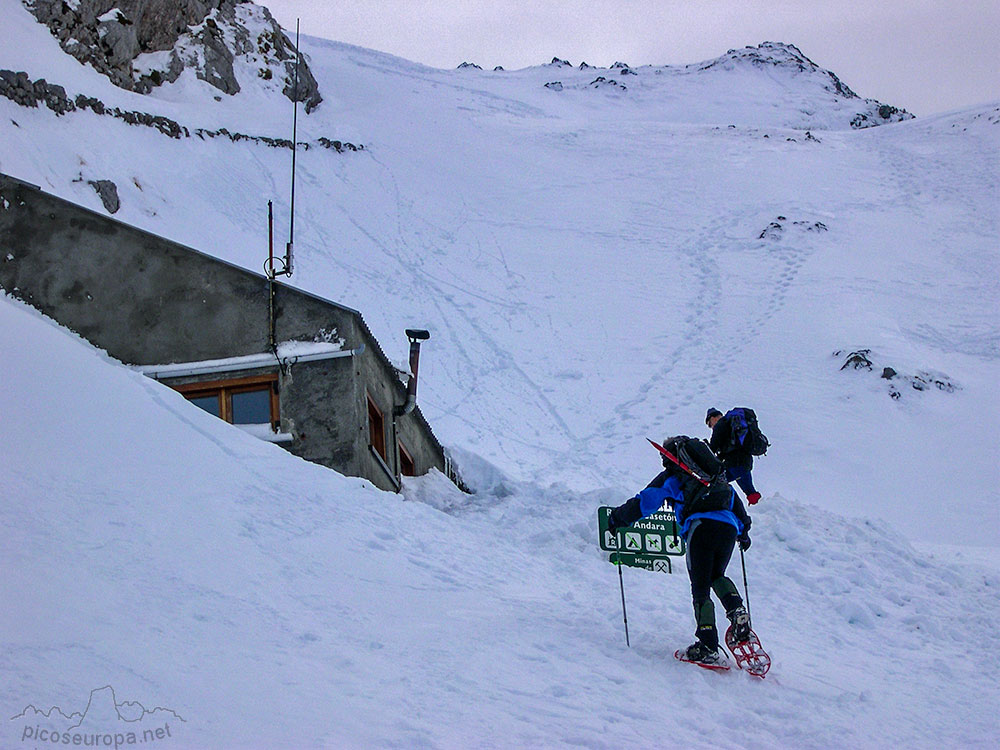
(696, 456)
(746, 434)
(703, 467)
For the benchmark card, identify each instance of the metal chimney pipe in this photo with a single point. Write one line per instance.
(415, 336)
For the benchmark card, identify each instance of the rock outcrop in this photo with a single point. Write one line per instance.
(895, 381)
(140, 44)
(108, 192)
(19, 88)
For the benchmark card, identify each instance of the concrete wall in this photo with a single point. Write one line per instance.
(318, 405)
(147, 301)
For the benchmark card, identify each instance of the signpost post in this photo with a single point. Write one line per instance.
(649, 543)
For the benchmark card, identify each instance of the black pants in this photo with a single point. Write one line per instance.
(710, 546)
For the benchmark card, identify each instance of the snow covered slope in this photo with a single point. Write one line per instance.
(595, 265)
(259, 601)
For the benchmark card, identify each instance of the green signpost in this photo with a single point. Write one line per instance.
(648, 543)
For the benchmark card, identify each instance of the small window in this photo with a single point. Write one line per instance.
(208, 403)
(237, 401)
(251, 406)
(406, 465)
(376, 428)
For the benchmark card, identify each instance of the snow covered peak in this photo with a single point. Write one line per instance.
(778, 55)
(805, 76)
(770, 85)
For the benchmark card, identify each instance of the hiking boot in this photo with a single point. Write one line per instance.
(700, 653)
(740, 619)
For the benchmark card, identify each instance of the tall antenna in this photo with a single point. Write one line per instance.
(269, 270)
(286, 266)
(295, 125)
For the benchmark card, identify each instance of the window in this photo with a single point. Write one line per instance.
(251, 400)
(376, 429)
(208, 403)
(406, 465)
(250, 406)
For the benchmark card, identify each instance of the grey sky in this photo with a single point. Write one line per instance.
(925, 55)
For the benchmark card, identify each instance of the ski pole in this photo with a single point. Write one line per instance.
(746, 592)
(621, 583)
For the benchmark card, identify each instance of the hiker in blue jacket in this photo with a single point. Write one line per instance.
(711, 536)
(738, 460)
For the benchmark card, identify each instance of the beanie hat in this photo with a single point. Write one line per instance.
(713, 412)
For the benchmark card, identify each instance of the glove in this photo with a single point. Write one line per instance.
(753, 497)
(744, 541)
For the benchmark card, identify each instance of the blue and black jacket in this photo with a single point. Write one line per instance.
(722, 445)
(670, 487)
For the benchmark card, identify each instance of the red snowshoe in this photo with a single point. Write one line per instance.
(749, 654)
(699, 655)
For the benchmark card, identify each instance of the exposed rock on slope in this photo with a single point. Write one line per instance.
(788, 57)
(20, 89)
(779, 55)
(140, 44)
(772, 84)
(896, 382)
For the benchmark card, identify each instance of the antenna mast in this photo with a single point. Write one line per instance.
(286, 265)
(295, 125)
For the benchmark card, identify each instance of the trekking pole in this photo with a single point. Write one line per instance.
(621, 583)
(746, 592)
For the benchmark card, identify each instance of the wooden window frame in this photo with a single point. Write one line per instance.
(224, 389)
(378, 446)
(407, 466)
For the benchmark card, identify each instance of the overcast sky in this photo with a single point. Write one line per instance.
(924, 55)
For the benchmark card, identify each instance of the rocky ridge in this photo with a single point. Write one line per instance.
(789, 57)
(141, 44)
(779, 56)
(19, 88)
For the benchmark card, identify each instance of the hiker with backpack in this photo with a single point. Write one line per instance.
(712, 521)
(736, 439)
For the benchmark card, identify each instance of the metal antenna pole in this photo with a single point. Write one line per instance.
(270, 278)
(295, 124)
(270, 238)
